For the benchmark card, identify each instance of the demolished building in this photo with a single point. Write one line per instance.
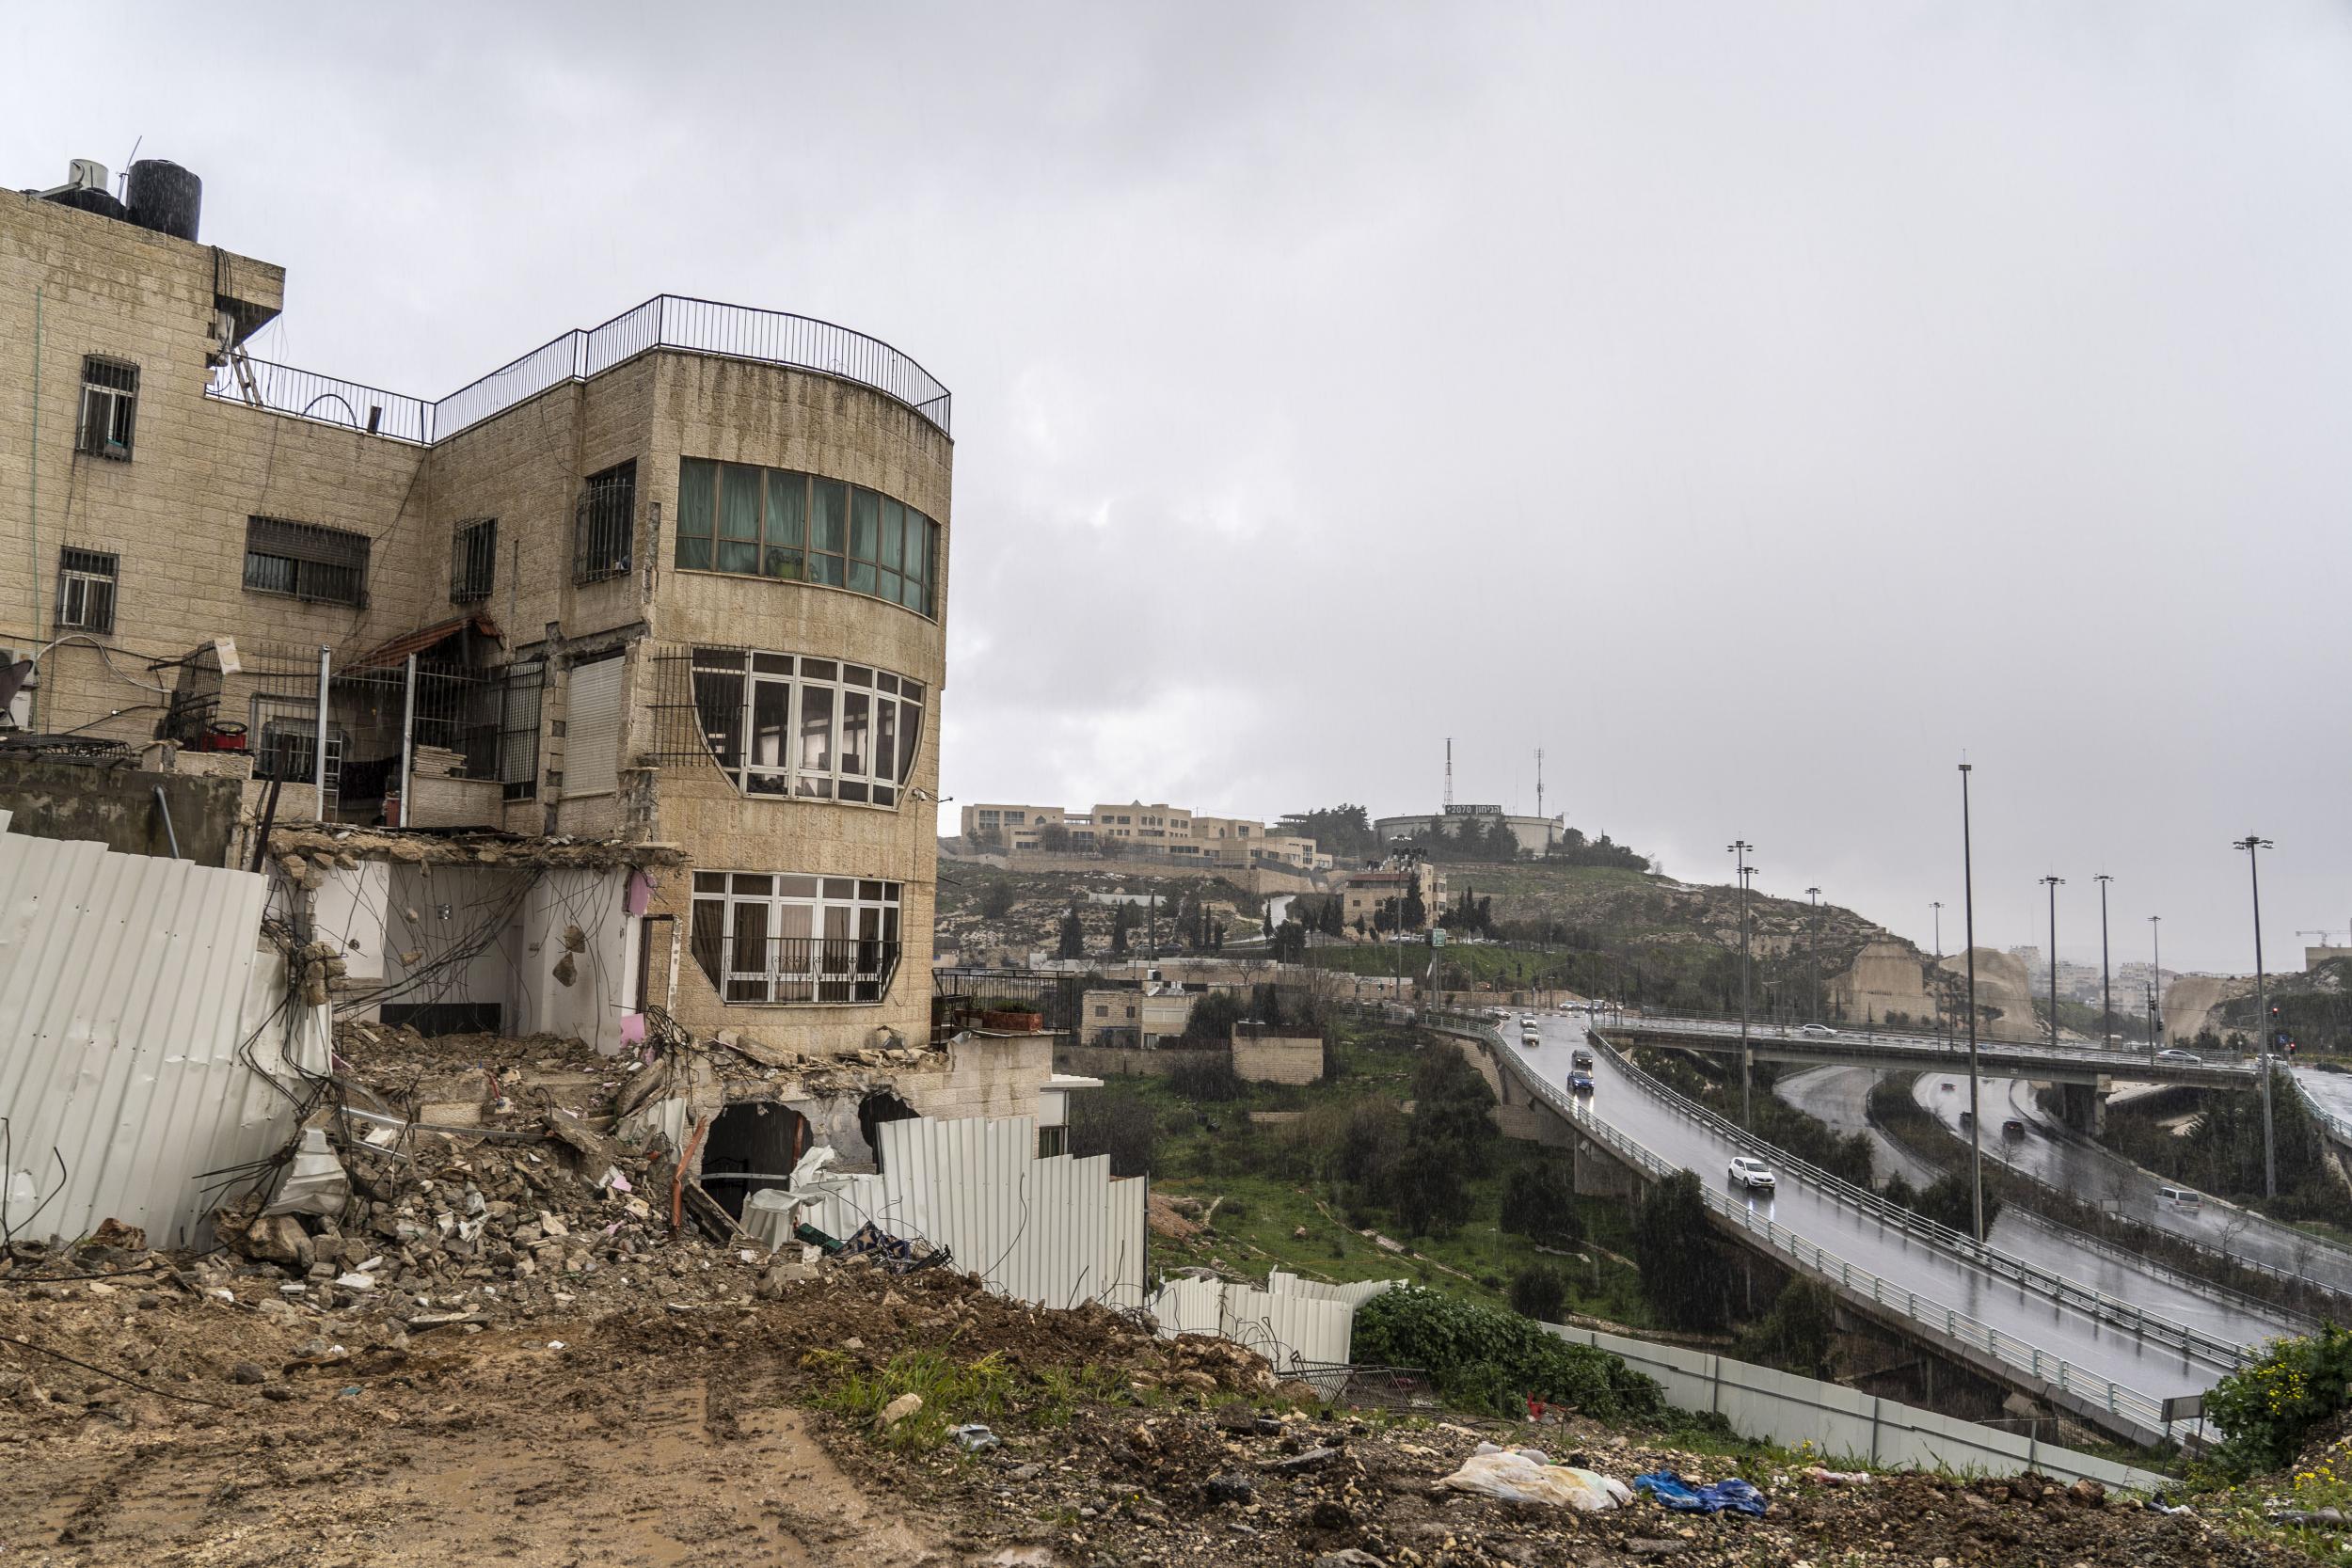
(597, 699)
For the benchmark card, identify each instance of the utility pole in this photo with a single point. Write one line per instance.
(2054, 884)
(1976, 1122)
(2254, 846)
(1814, 894)
(2156, 986)
(2107, 986)
(1739, 850)
(1942, 1015)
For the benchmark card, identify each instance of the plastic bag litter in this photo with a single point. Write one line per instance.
(1514, 1478)
(973, 1437)
(1733, 1496)
(1835, 1478)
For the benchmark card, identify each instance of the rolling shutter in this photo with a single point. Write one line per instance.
(591, 729)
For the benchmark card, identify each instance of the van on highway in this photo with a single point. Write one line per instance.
(2181, 1199)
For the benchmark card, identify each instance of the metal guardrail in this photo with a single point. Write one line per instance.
(665, 321)
(2059, 1289)
(2083, 1388)
(1949, 1055)
(2333, 1125)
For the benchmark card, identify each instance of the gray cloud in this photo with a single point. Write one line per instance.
(1753, 407)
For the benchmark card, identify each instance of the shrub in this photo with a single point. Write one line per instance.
(1539, 1202)
(2266, 1410)
(1116, 1122)
(1795, 1334)
(1683, 1277)
(1494, 1360)
(1206, 1075)
(1540, 1292)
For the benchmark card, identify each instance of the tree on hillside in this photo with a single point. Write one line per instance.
(1073, 941)
(1684, 1279)
(1539, 1290)
(1211, 1018)
(1290, 943)
(1415, 912)
(1344, 831)
(1539, 1202)
(1054, 838)
(996, 897)
(1123, 922)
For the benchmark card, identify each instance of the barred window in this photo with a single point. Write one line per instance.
(769, 938)
(306, 561)
(818, 728)
(85, 590)
(110, 399)
(801, 528)
(604, 533)
(518, 728)
(473, 555)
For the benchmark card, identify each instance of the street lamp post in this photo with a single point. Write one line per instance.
(1942, 1014)
(2254, 846)
(2107, 986)
(2156, 986)
(1814, 894)
(1976, 1122)
(2054, 884)
(1739, 850)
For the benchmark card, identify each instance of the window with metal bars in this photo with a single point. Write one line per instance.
(473, 554)
(85, 590)
(304, 560)
(110, 399)
(604, 530)
(518, 728)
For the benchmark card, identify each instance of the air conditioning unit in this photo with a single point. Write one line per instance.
(86, 174)
(221, 338)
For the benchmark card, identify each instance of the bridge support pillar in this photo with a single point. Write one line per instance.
(2084, 1107)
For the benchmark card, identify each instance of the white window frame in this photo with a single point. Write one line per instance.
(82, 585)
(782, 773)
(828, 968)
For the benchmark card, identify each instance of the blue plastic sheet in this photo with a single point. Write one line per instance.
(1734, 1496)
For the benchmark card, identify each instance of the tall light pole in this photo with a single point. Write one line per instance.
(2156, 986)
(1814, 894)
(1940, 1013)
(1976, 1122)
(2054, 884)
(2253, 847)
(2107, 986)
(1739, 850)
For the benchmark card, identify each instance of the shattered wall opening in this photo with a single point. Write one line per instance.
(757, 1136)
(875, 1109)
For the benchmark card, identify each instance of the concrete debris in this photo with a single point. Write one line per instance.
(313, 848)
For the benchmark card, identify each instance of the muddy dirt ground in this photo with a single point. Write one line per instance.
(687, 1431)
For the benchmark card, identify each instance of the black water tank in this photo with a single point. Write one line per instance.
(91, 201)
(165, 197)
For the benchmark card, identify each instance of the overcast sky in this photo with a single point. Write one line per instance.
(1753, 405)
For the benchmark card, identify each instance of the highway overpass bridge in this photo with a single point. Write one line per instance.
(2114, 1340)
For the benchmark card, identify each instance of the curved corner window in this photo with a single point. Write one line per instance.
(799, 528)
(769, 937)
(821, 729)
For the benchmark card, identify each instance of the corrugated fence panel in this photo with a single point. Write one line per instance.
(1054, 1231)
(129, 988)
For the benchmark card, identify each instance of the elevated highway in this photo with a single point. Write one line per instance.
(2121, 1361)
(1916, 1052)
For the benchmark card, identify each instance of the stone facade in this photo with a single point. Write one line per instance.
(1278, 1058)
(174, 514)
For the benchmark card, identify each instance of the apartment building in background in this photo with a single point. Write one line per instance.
(1137, 828)
(671, 590)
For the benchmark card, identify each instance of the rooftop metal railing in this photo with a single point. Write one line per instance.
(667, 321)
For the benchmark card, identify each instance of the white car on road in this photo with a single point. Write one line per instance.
(1817, 1030)
(1752, 1173)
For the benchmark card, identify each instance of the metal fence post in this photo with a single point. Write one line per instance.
(408, 745)
(318, 740)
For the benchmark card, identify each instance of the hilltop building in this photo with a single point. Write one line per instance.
(1137, 828)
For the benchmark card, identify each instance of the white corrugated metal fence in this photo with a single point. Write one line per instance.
(130, 985)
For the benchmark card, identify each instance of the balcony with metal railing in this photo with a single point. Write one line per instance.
(670, 322)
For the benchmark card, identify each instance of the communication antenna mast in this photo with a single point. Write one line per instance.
(1539, 781)
(1449, 772)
